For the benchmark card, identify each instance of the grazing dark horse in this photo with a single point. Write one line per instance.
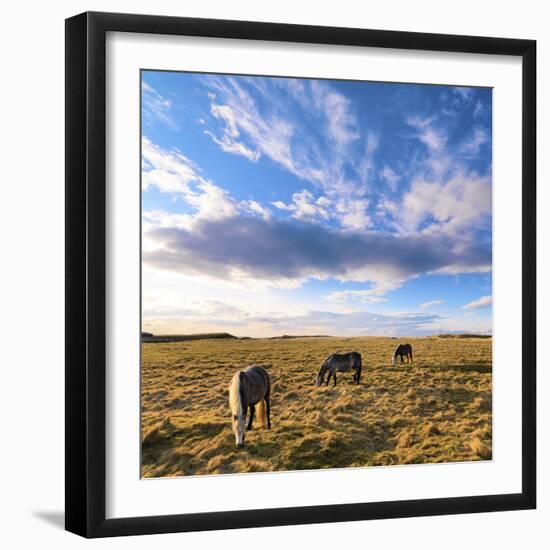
(403, 350)
(340, 363)
(248, 388)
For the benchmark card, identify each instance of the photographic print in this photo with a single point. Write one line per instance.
(316, 274)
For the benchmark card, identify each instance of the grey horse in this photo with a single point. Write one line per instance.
(403, 350)
(248, 388)
(340, 363)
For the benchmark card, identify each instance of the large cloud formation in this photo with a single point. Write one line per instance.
(281, 251)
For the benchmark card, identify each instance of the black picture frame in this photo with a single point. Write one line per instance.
(86, 274)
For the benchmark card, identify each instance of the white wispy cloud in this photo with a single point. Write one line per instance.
(255, 122)
(155, 106)
(426, 305)
(390, 177)
(172, 172)
(365, 167)
(479, 110)
(255, 208)
(305, 206)
(231, 145)
(162, 218)
(450, 205)
(464, 93)
(376, 293)
(169, 171)
(230, 141)
(480, 302)
(473, 144)
(444, 194)
(212, 202)
(350, 213)
(340, 122)
(353, 213)
(267, 133)
(433, 138)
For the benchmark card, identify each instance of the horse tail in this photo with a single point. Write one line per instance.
(235, 395)
(262, 413)
(411, 350)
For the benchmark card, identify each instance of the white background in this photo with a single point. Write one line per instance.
(31, 279)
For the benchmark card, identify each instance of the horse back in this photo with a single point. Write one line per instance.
(257, 382)
(345, 361)
(403, 349)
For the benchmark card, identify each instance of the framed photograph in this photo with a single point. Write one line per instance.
(300, 274)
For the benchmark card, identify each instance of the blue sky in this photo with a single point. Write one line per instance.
(303, 206)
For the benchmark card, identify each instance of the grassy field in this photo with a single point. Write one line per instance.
(438, 410)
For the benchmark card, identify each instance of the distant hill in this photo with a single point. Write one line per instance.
(159, 338)
(464, 336)
(289, 336)
(147, 337)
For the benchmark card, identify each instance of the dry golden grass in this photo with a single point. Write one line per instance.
(438, 410)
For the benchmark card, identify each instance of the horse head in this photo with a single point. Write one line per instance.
(319, 379)
(238, 429)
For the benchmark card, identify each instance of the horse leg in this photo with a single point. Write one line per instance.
(334, 378)
(268, 411)
(328, 377)
(401, 359)
(252, 409)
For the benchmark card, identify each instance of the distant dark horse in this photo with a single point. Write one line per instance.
(403, 350)
(248, 388)
(340, 363)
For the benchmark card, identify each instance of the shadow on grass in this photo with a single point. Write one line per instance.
(169, 437)
(474, 367)
(200, 430)
(261, 449)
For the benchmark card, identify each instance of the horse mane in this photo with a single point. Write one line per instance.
(235, 397)
(323, 368)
